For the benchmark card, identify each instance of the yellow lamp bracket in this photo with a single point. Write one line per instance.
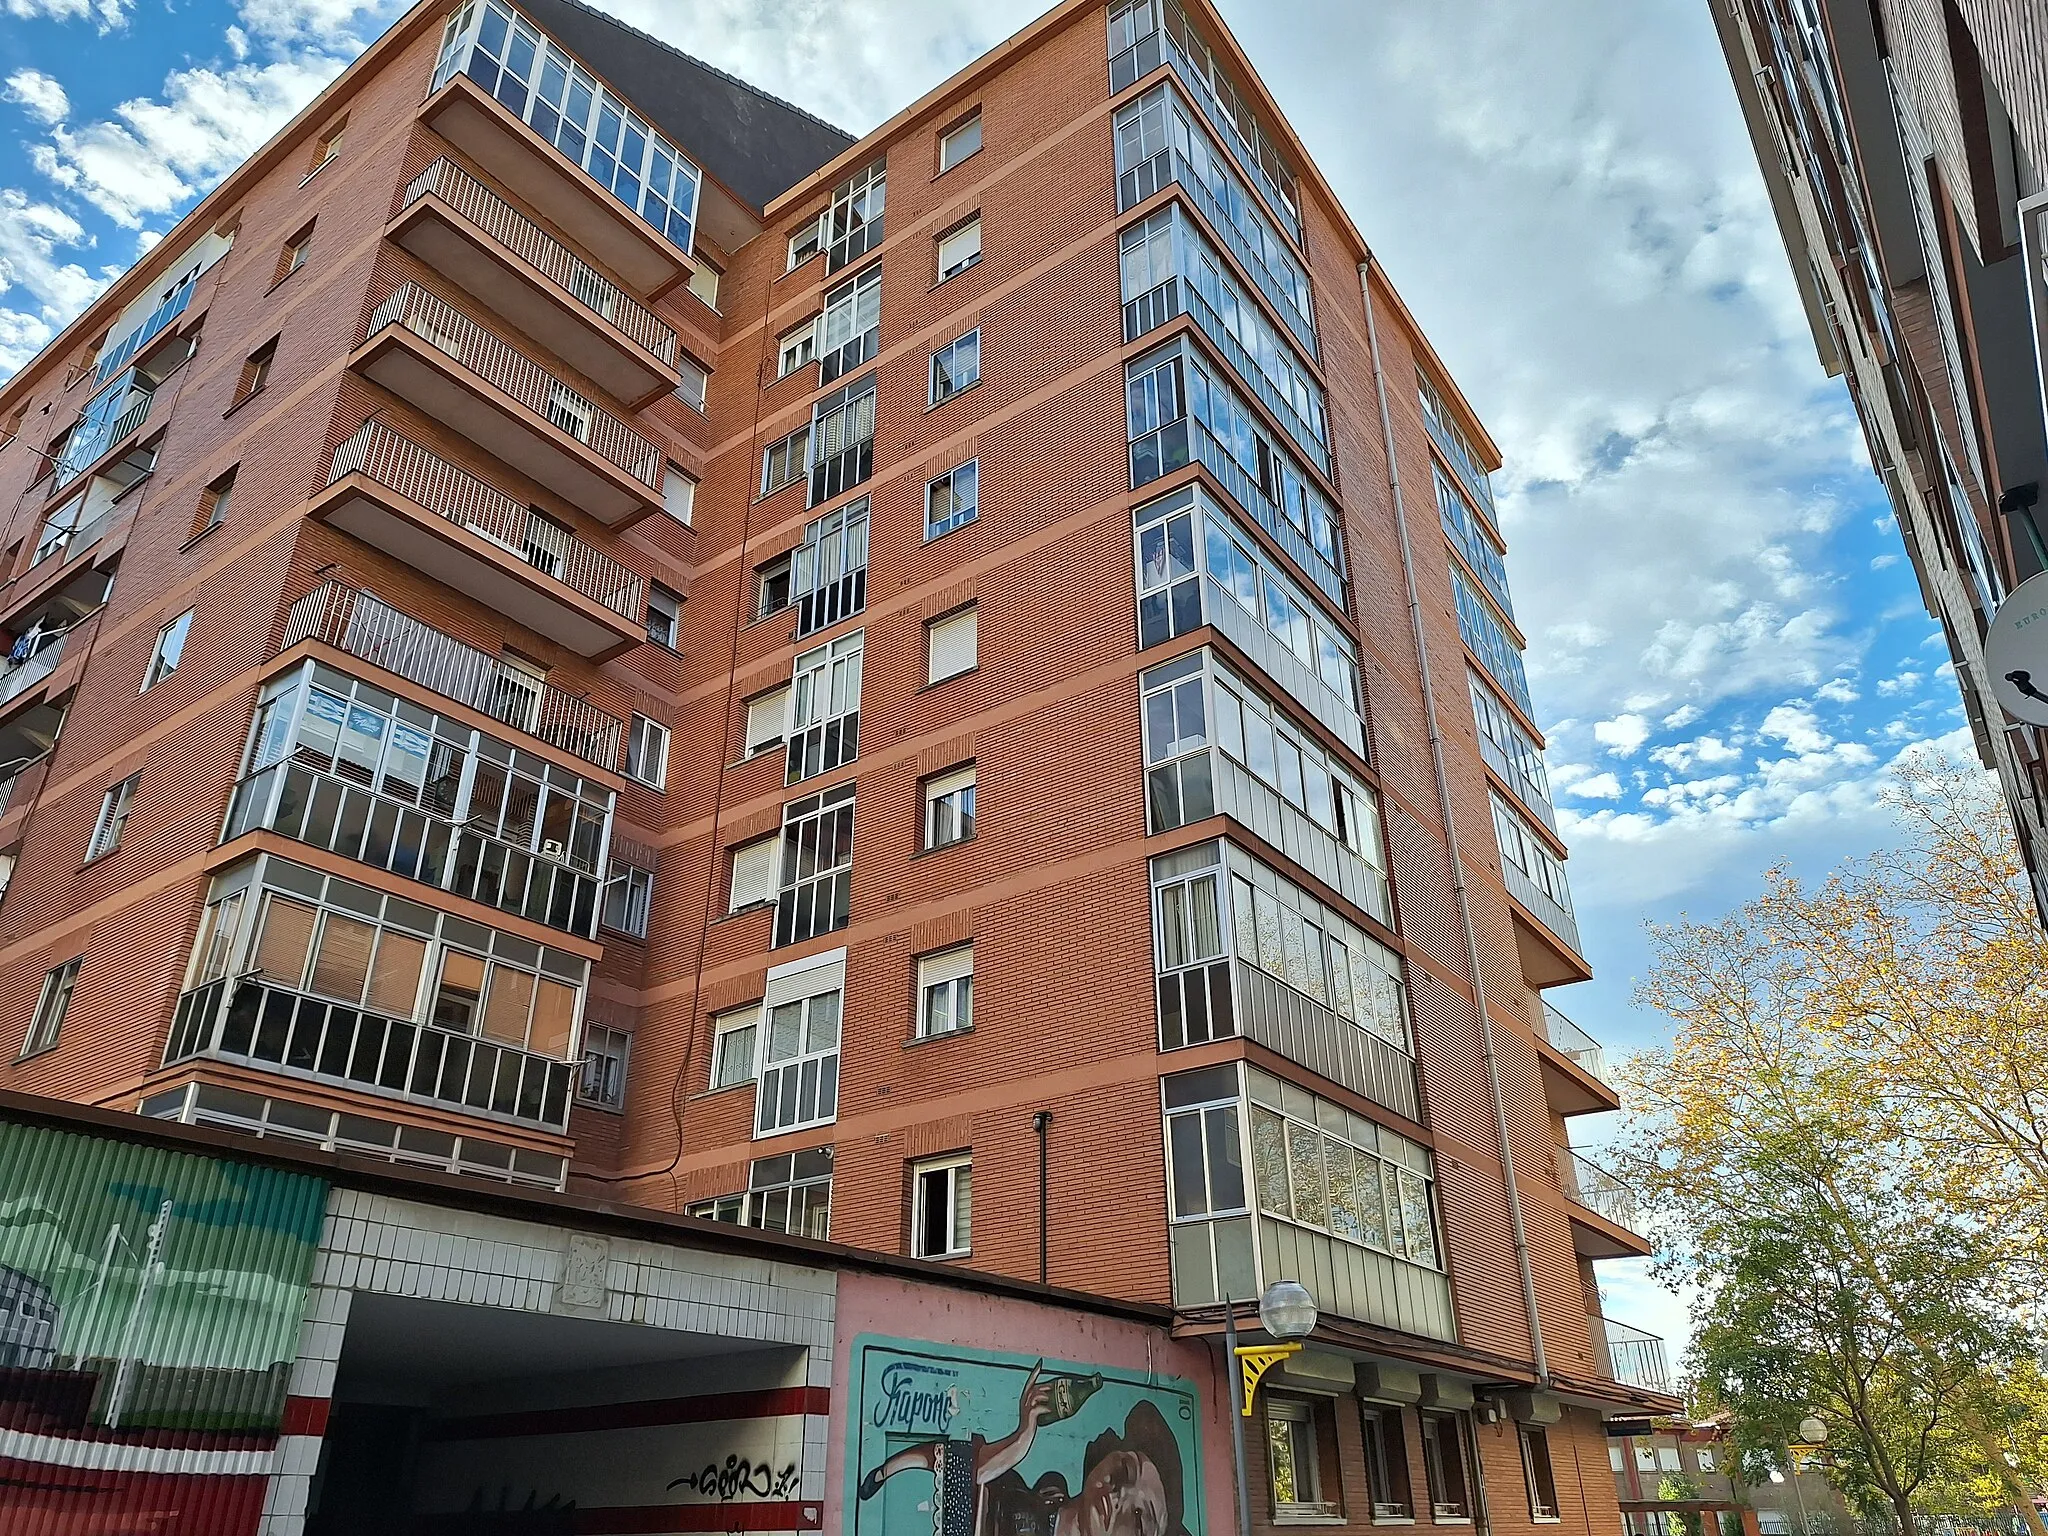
(1254, 1360)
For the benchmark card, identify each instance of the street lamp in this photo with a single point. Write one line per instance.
(1288, 1313)
(1812, 1431)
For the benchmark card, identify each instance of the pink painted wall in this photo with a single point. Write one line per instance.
(902, 1309)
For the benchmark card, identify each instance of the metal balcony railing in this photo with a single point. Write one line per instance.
(20, 676)
(99, 429)
(374, 631)
(1632, 1357)
(1572, 1042)
(540, 250)
(1546, 908)
(505, 368)
(1597, 1190)
(399, 464)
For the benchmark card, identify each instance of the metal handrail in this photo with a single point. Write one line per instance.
(1574, 1043)
(1633, 1358)
(399, 464)
(81, 453)
(364, 627)
(446, 328)
(1599, 1191)
(543, 252)
(18, 679)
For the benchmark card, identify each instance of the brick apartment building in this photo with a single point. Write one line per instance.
(575, 625)
(1904, 144)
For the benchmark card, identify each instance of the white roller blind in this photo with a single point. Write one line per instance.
(767, 719)
(678, 494)
(947, 784)
(753, 871)
(805, 978)
(947, 965)
(959, 250)
(954, 647)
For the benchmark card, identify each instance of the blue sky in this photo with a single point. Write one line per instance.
(1726, 643)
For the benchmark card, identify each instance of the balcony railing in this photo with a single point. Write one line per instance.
(1474, 478)
(398, 464)
(253, 1021)
(1572, 1042)
(1546, 909)
(1632, 1357)
(541, 251)
(446, 328)
(1599, 1191)
(109, 418)
(75, 541)
(116, 357)
(20, 676)
(375, 632)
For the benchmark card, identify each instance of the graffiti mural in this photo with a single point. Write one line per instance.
(150, 1304)
(961, 1442)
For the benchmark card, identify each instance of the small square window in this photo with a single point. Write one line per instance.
(293, 256)
(1297, 1446)
(784, 462)
(114, 808)
(170, 647)
(952, 646)
(51, 1007)
(806, 243)
(664, 617)
(957, 143)
(771, 587)
(647, 752)
(953, 500)
(732, 1046)
(945, 992)
(602, 1080)
(767, 720)
(213, 501)
(955, 366)
(256, 371)
(678, 495)
(942, 1208)
(327, 148)
(798, 347)
(704, 283)
(755, 866)
(949, 808)
(961, 249)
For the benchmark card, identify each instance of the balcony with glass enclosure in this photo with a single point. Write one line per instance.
(109, 419)
(1456, 448)
(1605, 1221)
(552, 132)
(1575, 1072)
(1546, 931)
(539, 286)
(433, 356)
(472, 537)
(360, 625)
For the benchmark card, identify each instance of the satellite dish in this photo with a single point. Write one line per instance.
(2016, 651)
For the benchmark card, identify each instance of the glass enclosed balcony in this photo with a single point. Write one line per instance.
(112, 416)
(523, 108)
(1451, 442)
(474, 538)
(430, 354)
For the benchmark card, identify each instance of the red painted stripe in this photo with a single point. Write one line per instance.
(773, 1403)
(305, 1416)
(65, 1501)
(657, 1519)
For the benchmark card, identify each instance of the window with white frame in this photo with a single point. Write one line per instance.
(733, 1036)
(114, 808)
(1527, 854)
(1204, 1152)
(849, 331)
(1617, 1460)
(798, 1050)
(949, 807)
(797, 347)
(1295, 1441)
(695, 382)
(853, 223)
(941, 1207)
(767, 719)
(817, 866)
(1191, 942)
(960, 248)
(678, 495)
(1668, 1459)
(664, 616)
(956, 366)
(1444, 1463)
(771, 587)
(602, 1080)
(960, 141)
(784, 461)
(1515, 755)
(1386, 1463)
(945, 992)
(828, 577)
(1705, 1456)
(704, 283)
(51, 1007)
(953, 500)
(647, 752)
(842, 440)
(628, 897)
(755, 868)
(806, 243)
(1537, 1473)
(824, 708)
(790, 1193)
(952, 646)
(169, 649)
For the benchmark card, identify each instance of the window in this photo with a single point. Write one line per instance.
(58, 527)
(328, 147)
(678, 495)
(771, 587)
(704, 282)
(829, 570)
(783, 462)
(797, 347)
(213, 501)
(956, 366)
(816, 882)
(1646, 1456)
(1617, 1461)
(256, 371)
(842, 440)
(850, 329)
(949, 808)
(799, 1050)
(114, 808)
(824, 708)
(806, 242)
(664, 616)
(957, 143)
(755, 868)
(951, 646)
(696, 380)
(950, 500)
(767, 720)
(628, 896)
(1525, 854)
(1536, 1472)
(602, 1080)
(961, 249)
(1487, 638)
(1295, 1448)
(790, 1194)
(945, 992)
(51, 1008)
(293, 256)
(647, 752)
(941, 1208)
(170, 646)
(732, 1046)
(1704, 1453)
(1667, 1459)
(1443, 1463)
(853, 224)
(1205, 1163)
(1386, 1464)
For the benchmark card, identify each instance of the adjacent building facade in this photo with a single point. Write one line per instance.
(573, 625)
(1902, 143)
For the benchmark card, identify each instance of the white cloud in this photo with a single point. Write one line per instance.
(1839, 691)
(1680, 756)
(1682, 716)
(31, 235)
(39, 95)
(1600, 786)
(1904, 682)
(1883, 562)
(338, 25)
(21, 337)
(106, 14)
(1796, 726)
(1623, 736)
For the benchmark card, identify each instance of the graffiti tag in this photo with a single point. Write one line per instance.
(917, 1398)
(739, 1478)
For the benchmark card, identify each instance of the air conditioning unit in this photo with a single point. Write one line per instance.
(554, 851)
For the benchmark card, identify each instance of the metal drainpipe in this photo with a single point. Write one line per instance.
(1458, 892)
